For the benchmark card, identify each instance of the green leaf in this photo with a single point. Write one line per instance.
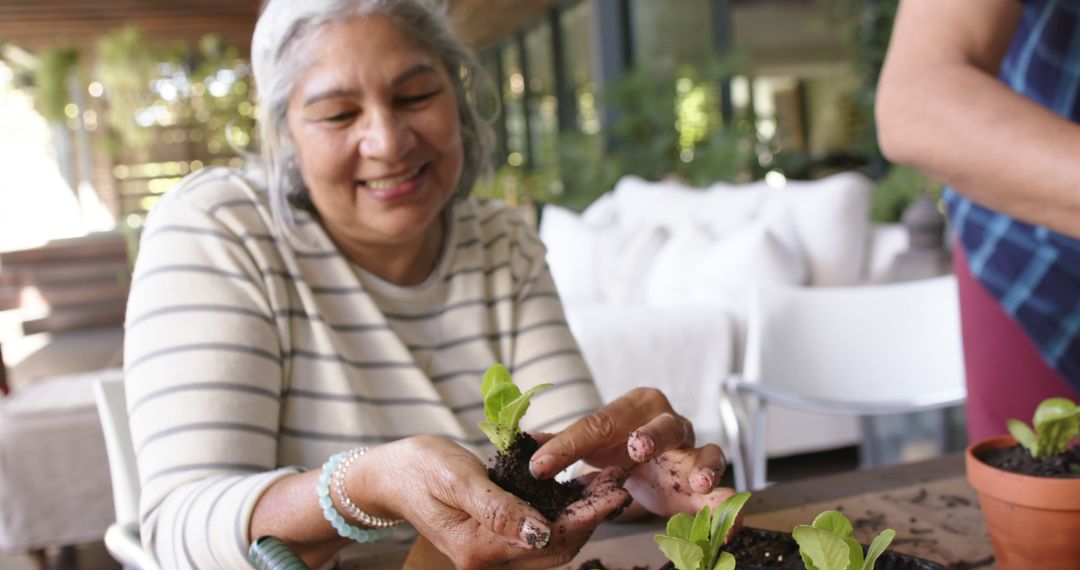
(515, 409)
(700, 531)
(725, 562)
(881, 542)
(855, 553)
(1053, 409)
(500, 396)
(498, 435)
(821, 549)
(496, 375)
(685, 555)
(834, 522)
(723, 519)
(679, 526)
(1024, 435)
(1057, 421)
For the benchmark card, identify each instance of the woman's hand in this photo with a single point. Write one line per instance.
(642, 433)
(444, 491)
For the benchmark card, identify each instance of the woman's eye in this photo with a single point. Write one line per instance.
(340, 117)
(417, 99)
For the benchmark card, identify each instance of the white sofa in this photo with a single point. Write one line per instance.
(656, 278)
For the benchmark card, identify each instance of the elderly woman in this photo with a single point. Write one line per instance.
(349, 300)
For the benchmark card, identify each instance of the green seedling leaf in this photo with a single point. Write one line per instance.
(679, 526)
(821, 549)
(1024, 435)
(684, 554)
(497, 399)
(700, 531)
(881, 542)
(515, 409)
(1056, 421)
(834, 522)
(504, 406)
(496, 375)
(723, 519)
(725, 562)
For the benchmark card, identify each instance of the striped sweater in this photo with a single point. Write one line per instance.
(248, 358)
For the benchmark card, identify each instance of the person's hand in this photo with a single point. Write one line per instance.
(444, 491)
(642, 433)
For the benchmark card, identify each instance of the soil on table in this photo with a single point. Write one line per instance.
(1017, 459)
(511, 473)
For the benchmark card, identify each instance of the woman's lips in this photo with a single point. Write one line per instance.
(394, 188)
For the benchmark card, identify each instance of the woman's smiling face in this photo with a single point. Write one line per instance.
(375, 122)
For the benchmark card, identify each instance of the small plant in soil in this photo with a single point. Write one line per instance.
(828, 544)
(504, 406)
(1057, 422)
(1045, 450)
(693, 543)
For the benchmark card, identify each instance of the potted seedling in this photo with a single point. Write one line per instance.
(504, 406)
(828, 544)
(1029, 489)
(694, 542)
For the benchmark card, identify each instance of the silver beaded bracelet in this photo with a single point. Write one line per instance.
(351, 509)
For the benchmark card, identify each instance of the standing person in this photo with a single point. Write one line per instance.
(351, 297)
(985, 95)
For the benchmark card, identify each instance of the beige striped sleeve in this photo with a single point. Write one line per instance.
(204, 379)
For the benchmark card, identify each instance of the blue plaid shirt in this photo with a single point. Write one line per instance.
(1034, 272)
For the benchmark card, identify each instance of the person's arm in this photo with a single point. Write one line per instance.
(203, 375)
(941, 108)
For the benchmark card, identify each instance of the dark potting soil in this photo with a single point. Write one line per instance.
(762, 548)
(511, 473)
(1017, 459)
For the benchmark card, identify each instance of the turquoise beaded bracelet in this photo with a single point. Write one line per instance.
(331, 514)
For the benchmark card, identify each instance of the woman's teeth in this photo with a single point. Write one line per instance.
(388, 183)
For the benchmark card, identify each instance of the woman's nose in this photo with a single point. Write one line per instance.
(386, 137)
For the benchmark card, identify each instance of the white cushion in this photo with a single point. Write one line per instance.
(694, 267)
(832, 219)
(626, 262)
(637, 203)
(571, 253)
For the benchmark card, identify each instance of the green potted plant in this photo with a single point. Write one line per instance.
(1029, 489)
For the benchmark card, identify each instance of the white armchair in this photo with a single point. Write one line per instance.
(854, 351)
(122, 537)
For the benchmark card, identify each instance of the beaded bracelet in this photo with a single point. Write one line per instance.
(331, 514)
(338, 480)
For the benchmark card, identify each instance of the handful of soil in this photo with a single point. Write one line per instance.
(511, 473)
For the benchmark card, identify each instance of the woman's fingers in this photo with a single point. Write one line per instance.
(604, 499)
(604, 429)
(505, 515)
(665, 432)
(709, 466)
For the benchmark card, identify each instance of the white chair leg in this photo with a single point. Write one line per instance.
(758, 460)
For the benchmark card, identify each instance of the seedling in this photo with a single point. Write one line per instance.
(828, 544)
(504, 406)
(1056, 421)
(693, 543)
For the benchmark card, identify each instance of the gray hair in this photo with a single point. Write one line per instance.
(285, 27)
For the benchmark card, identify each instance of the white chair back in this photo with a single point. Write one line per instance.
(866, 350)
(122, 538)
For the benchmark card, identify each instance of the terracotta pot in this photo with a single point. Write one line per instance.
(1034, 522)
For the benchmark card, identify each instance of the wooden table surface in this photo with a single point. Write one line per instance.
(929, 504)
